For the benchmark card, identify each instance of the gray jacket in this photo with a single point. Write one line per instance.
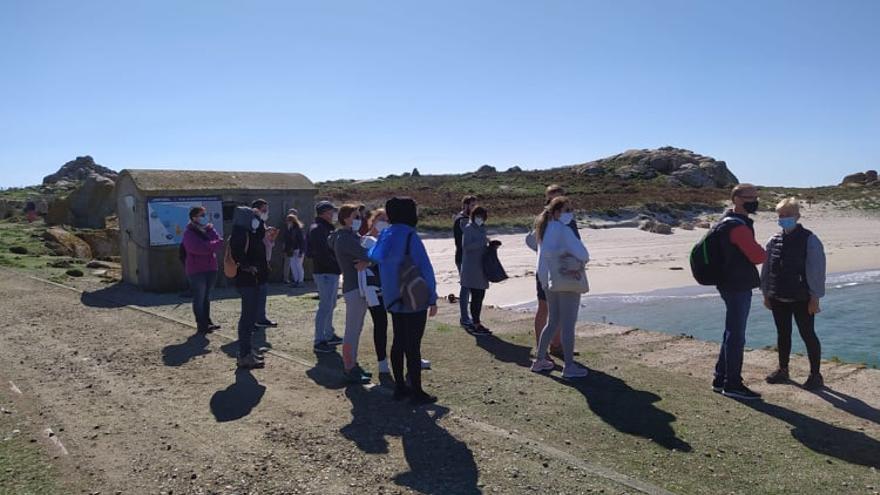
(346, 244)
(474, 244)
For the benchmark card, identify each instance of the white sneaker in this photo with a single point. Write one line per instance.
(426, 365)
(574, 371)
(542, 365)
(383, 366)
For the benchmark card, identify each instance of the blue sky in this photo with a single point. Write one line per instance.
(788, 93)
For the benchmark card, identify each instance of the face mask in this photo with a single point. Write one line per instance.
(479, 221)
(202, 221)
(566, 217)
(265, 216)
(751, 207)
(335, 218)
(380, 226)
(356, 224)
(788, 223)
(255, 224)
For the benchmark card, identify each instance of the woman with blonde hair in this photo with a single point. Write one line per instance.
(560, 252)
(294, 249)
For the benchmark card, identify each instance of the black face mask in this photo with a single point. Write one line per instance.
(751, 207)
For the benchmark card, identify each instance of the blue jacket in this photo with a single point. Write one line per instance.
(388, 254)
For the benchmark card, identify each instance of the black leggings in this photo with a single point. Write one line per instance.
(380, 329)
(477, 296)
(782, 315)
(408, 331)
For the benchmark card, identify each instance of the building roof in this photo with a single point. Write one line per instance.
(202, 180)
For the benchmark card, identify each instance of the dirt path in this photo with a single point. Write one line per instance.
(143, 406)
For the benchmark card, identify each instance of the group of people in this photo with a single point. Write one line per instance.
(385, 270)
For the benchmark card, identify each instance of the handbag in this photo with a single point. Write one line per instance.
(567, 274)
(230, 267)
(492, 268)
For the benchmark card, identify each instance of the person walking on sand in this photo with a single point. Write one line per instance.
(294, 244)
(326, 274)
(739, 276)
(556, 239)
(552, 191)
(402, 257)
(458, 223)
(201, 242)
(474, 245)
(793, 281)
(352, 258)
(249, 253)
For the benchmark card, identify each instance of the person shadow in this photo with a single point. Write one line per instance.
(841, 443)
(239, 399)
(849, 404)
(438, 462)
(628, 410)
(180, 354)
(327, 372)
(504, 351)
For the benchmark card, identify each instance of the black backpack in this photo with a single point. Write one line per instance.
(707, 256)
(414, 291)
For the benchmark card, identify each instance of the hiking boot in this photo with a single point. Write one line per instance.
(383, 367)
(250, 362)
(542, 365)
(574, 371)
(814, 382)
(421, 398)
(334, 340)
(426, 365)
(355, 376)
(778, 376)
(266, 324)
(741, 392)
(324, 348)
(401, 392)
(718, 384)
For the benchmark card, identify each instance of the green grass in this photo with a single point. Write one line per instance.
(38, 258)
(25, 467)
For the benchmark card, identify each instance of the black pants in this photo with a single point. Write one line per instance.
(477, 296)
(782, 315)
(408, 331)
(380, 329)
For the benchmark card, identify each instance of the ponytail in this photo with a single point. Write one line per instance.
(546, 216)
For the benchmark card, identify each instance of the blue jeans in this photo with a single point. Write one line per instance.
(464, 297)
(200, 284)
(250, 306)
(263, 294)
(730, 360)
(328, 290)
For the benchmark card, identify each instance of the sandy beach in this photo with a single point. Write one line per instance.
(628, 260)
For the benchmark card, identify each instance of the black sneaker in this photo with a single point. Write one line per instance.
(363, 371)
(355, 376)
(250, 362)
(266, 324)
(814, 382)
(718, 385)
(334, 340)
(741, 392)
(469, 328)
(778, 376)
(421, 398)
(324, 347)
(480, 330)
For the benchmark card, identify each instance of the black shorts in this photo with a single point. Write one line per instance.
(541, 295)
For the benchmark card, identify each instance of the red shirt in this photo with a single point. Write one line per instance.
(744, 239)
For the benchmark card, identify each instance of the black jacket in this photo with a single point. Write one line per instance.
(458, 224)
(293, 239)
(787, 259)
(253, 267)
(323, 257)
(738, 273)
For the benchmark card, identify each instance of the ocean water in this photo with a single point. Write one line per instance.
(848, 326)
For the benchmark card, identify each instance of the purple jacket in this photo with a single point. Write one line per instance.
(201, 250)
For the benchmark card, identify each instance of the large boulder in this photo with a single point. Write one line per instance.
(86, 207)
(78, 170)
(871, 176)
(103, 243)
(855, 179)
(679, 167)
(486, 170)
(64, 243)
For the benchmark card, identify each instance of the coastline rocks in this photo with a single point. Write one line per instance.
(655, 227)
(77, 170)
(868, 178)
(679, 167)
(64, 243)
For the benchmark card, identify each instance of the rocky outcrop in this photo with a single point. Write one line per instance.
(64, 243)
(103, 243)
(87, 206)
(680, 167)
(79, 170)
(486, 170)
(868, 178)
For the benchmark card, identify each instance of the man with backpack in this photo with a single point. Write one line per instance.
(727, 258)
(326, 274)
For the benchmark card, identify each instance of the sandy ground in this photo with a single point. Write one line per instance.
(628, 260)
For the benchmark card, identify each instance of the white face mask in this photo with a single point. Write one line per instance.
(479, 221)
(356, 224)
(255, 224)
(566, 217)
(381, 225)
(265, 216)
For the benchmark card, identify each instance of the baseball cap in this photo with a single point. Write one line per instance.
(323, 206)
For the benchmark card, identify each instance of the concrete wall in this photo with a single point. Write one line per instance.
(158, 268)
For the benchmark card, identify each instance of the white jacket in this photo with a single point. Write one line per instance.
(558, 239)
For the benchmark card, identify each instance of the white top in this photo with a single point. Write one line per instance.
(558, 239)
